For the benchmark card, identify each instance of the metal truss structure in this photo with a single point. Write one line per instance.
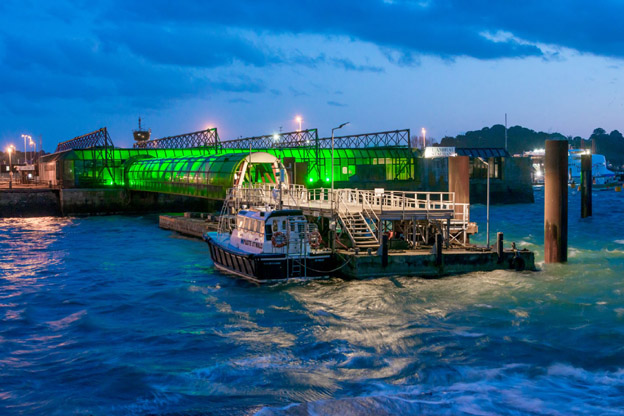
(203, 138)
(101, 147)
(305, 139)
(98, 138)
(295, 139)
(382, 139)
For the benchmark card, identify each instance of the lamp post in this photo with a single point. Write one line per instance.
(33, 151)
(25, 136)
(332, 172)
(487, 202)
(10, 150)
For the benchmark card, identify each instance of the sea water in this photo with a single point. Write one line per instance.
(114, 316)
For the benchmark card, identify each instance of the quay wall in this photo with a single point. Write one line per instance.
(75, 201)
(29, 203)
(120, 201)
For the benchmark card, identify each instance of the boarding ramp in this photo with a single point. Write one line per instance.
(363, 213)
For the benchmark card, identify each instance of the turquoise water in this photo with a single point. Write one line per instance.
(113, 316)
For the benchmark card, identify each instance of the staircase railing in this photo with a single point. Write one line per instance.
(347, 218)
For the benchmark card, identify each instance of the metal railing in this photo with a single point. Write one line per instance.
(297, 196)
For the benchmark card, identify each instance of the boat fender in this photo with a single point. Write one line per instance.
(315, 239)
(279, 239)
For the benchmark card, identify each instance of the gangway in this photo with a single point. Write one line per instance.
(362, 213)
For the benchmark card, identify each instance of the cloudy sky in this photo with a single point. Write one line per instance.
(248, 67)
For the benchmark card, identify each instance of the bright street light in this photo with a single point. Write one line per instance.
(34, 150)
(424, 132)
(298, 119)
(9, 151)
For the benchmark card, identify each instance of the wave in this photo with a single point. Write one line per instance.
(520, 389)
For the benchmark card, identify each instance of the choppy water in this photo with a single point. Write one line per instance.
(113, 316)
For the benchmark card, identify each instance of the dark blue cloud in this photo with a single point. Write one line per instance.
(448, 28)
(437, 29)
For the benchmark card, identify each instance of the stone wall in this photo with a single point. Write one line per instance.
(29, 203)
(120, 201)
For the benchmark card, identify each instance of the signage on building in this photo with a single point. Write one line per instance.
(431, 152)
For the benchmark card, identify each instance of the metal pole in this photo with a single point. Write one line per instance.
(586, 186)
(332, 165)
(505, 131)
(332, 174)
(10, 171)
(488, 205)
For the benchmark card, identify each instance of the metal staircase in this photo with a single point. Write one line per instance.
(359, 227)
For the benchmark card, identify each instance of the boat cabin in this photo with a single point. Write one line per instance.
(279, 231)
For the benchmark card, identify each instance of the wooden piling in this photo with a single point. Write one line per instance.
(439, 239)
(556, 201)
(499, 246)
(384, 250)
(459, 180)
(586, 186)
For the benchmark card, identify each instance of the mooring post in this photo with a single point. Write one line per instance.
(556, 201)
(586, 186)
(384, 250)
(499, 246)
(439, 239)
(459, 183)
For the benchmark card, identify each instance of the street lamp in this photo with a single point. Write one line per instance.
(424, 132)
(488, 202)
(25, 136)
(10, 150)
(298, 119)
(34, 150)
(332, 159)
(332, 178)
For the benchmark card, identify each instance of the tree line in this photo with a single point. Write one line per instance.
(521, 139)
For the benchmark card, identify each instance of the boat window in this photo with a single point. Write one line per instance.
(274, 225)
(269, 231)
(258, 226)
(283, 225)
(247, 224)
(241, 221)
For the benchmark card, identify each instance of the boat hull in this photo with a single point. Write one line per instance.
(268, 267)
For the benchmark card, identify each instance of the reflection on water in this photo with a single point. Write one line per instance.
(111, 315)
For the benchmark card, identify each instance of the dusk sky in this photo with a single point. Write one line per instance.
(249, 67)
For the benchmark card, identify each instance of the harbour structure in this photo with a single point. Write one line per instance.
(385, 193)
(187, 164)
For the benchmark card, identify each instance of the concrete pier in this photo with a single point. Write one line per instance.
(420, 263)
(187, 224)
(556, 201)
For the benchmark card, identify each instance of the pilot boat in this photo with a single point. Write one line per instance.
(270, 244)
